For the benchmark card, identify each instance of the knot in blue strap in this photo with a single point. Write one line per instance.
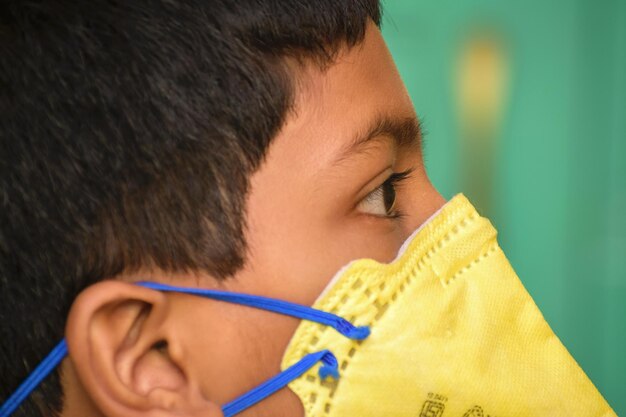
(353, 332)
(330, 366)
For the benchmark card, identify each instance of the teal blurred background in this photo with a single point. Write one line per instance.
(524, 104)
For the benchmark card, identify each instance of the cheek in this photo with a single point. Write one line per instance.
(299, 265)
(224, 340)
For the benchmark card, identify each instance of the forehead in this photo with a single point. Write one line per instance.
(335, 105)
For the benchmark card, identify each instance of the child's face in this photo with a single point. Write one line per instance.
(321, 198)
(307, 216)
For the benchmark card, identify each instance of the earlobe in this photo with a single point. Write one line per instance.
(126, 353)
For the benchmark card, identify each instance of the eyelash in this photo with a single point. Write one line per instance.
(393, 181)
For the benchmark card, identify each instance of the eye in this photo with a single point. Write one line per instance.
(381, 202)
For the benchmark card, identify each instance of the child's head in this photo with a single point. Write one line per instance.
(252, 146)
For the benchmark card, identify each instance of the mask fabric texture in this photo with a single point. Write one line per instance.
(453, 334)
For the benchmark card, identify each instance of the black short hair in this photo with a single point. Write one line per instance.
(129, 130)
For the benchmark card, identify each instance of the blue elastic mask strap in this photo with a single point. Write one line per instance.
(342, 325)
(328, 368)
(42, 370)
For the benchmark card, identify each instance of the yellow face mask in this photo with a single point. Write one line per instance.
(453, 333)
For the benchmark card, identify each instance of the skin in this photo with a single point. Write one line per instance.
(138, 352)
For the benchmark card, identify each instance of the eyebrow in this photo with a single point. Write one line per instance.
(404, 131)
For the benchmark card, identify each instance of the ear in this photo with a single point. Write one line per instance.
(127, 355)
